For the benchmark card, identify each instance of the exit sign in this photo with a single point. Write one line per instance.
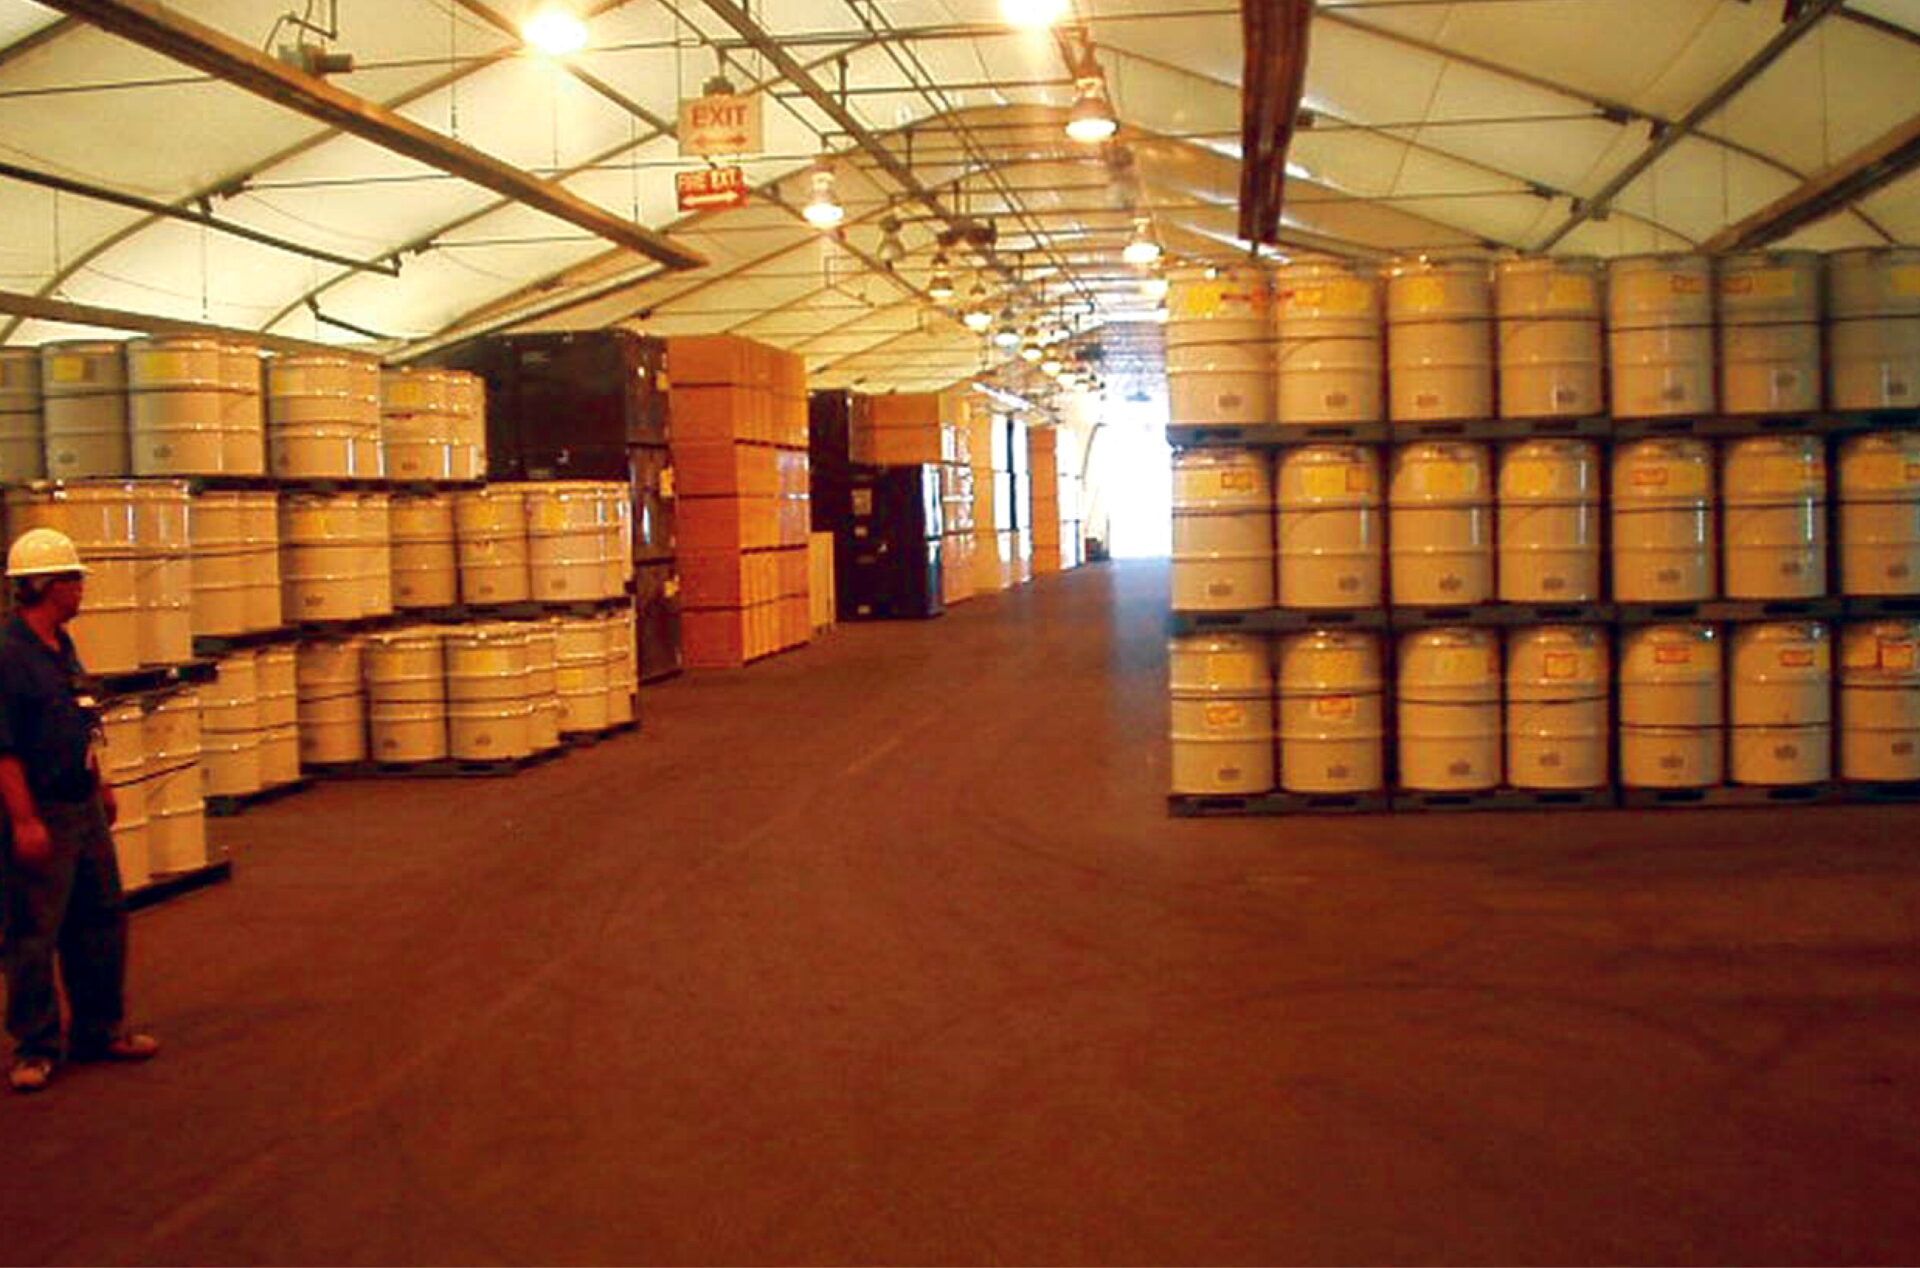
(710, 188)
(720, 123)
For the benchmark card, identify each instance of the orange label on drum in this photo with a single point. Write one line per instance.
(1648, 477)
(1333, 707)
(1671, 655)
(1221, 716)
(1797, 658)
(1686, 284)
(1896, 654)
(1236, 481)
(1762, 284)
(1904, 279)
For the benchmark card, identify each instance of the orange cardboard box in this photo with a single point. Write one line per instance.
(708, 360)
(907, 409)
(725, 469)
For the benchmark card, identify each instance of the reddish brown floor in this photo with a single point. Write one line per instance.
(886, 951)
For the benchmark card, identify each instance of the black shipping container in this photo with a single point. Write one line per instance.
(657, 603)
(650, 469)
(894, 566)
(831, 417)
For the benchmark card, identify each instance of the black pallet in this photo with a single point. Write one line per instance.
(1505, 799)
(1277, 620)
(217, 645)
(1875, 420)
(1724, 425)
(1864, 607)
(226, 805)
(1822, 609)
(661, 675)
(1588, 427)
(1725, 795)
(438, 768)
(1443, 429)
(1879, 793)
(533, 610)
(1237, 435)
(430, 486)
(1557, 613)
(587, 739)
(154, 678)
(1220, 806)
(174, 884)
(1427, 615)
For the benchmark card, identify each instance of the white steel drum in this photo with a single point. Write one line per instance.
(323, 557)
(490, 531)
(23, 454)
(1879, 491)
(1439, 340)
(1449, 709)
(243, 437)
(323, 416)
(1782, 703)
(1219, 336)
(426, 569)
(1672, 714)
(123, 764)
(99, 516)
(1557, 709)
(1549, 521)
(175, 402)
(260, 512)
(1660, 335)
(1880, 701)
(1222, 725)
(542, 687)
(406, 695)
(176, 796)
(1663, 529)
(1331, 356)
(1440, 529)
(1873, 328)
(467, 401)
(567, 540)
(1223, 551)
(489, 699)
(580, 673)
(230, 730)
(331, 702)
(219, 564)
(1330, 526)
(375, 560)
(164, 567)
(279, 716)
(83, 386)
(1551, 365)
(1774, 499)
(1770, 332)
(419, 428)
(1332, 712)
(623, 670)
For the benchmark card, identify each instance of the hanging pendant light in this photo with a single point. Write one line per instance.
(1141, 249)
(1091, 120)
(940, 283)
(1034, 14)
(823, 209)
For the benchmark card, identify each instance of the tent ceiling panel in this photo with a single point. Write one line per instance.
(42, 228)
(21, 18)
(1807, 111)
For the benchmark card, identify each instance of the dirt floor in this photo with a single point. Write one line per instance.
(887, 951)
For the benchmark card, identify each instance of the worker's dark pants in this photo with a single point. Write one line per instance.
(71, 906)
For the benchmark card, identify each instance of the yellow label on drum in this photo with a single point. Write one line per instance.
(1424, 292)
(1343, 666)
(1561, 665)
(1333, 707)
(1571, 290)
(67, 368)
(402, 394)
(1904, 280)
(1884, 469)
(1762, 284)
(1204, 299)
(1449, 479)
(1896, 654)
(1803, 474)
(1348, 296)
(1466, 663)
(1304, 297)
(549, 515)
(1229, 671)
(1221, 716)
(1530, 479)
(1333, 482)
(164, 365)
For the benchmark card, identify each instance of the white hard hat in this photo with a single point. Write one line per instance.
(43, 552)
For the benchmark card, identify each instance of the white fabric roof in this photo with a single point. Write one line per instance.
(1435, 126)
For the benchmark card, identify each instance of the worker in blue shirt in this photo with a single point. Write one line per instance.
(60, 878)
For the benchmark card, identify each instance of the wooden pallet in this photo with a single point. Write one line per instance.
(175, 884)
(1405, 800)
(227, 805)
(1218, 806)
(1725, 795)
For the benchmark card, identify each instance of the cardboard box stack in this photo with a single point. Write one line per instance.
(987, 509)
(740, 474)
(1016, 552)
(956, 494)
(898, 430)
(1043, 466)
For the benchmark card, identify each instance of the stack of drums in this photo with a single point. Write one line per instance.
(279, 716)
(329, 701)
(1782, 703)
(1222, 713)
(1222, 530)
(176, 793)
(1663, 534)
(1873, 328)
(1672, 714)
(569, 532)
(623, 669)
(1549, 527)
(618, 519)
(1557, 729)
(230, 731)
(1774, 491)
(1329, 519)
(1219, 347)
(335, 562)
(467, 396)
(23, 454)
(1329, 360)
(426, 570)
(1879, 491)
(1770, 332)
(406, 695)
(418, 425)
(1332, 712)
(543, 686)
(1441, 528)
(123, 764)
(1550, 341)
(164, 563)
(243, 414)
(175, 405)
(376, 553)
(490, 533)
(1439, 340)
(580, 673)
(99, 517)
(1880, 701)
(83, 389)
(1660, 335)
(1448, 699)
(490, 703)
(323, 417)
(235, 563)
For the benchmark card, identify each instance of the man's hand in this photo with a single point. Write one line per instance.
(110, 803)
(32, 846)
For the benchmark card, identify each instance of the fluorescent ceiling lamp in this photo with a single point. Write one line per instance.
(555, 31)
(823, 209)
(1091, 120)
(1033, 13)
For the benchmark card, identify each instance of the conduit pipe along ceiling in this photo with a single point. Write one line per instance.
(458, 180)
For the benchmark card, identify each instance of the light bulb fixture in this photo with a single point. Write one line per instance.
(556, 31)
(1006, 337)
(1051, 367)
(1030, 345)
(1034, 14)
(1091, 121)
(1141, 249)
(892, 250)
(823, 209)
(978, 320)
(1154, 285)
(940, 283)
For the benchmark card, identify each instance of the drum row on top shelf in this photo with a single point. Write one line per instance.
(1327, 341)
(181, 405)
(1666, 520)
(1697, 704)
(166, 566)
